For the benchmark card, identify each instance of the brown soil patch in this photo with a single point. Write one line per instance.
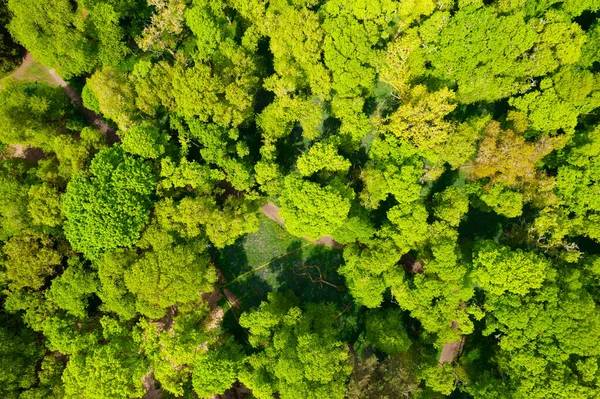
(149, 384)
(411, 265)
(328, 241)
(272, 212)
(30, 154)
(216, 312)
(452, 350)
(233, 300)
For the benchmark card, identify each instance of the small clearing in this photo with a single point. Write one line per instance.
(452, 350)
(272, 212)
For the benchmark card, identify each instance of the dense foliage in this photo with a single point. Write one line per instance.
(431, 169)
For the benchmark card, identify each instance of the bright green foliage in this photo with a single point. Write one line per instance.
(365, 269)
(301, 356)
(558, 105)
(439, 378)
(386, 332)
(189, 347)
(105, 20)
(55, 33)
(311, 210)
(494, 57)
(322, 156)
(356, 227)
(199, 177)
(279, 118)
(590, 51)
(446, 152)
(75, 155)
(73, 37)
(30, 258)
(541, 336)
(450, 205)
(153, 86)
(145, 140)
(165, 277)
(216, 370)
(115, 95)
(394, 169)
(499, 269)
(296, 44)
(409, 226)
(222, 90)
(50, 384)
(222, 225)
(576, 211)
(9, 50)
(351, 35)
(90, 100)
(504, 202)
(108, 208)
(15, 180)
(72, 289)
(113, 369)
(420, 119)
(112, 290)
(31, 113)
(223, 148)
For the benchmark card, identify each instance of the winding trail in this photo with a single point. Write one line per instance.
(20, 71)
(91, 116)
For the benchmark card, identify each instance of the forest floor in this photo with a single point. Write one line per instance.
(31, 71)
(271, 259)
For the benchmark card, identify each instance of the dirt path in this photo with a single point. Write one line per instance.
(272, 212)
(20, 71)
(452, 350)
(92, 117)
(31, 154)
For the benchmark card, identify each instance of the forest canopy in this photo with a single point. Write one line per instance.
(301, 199)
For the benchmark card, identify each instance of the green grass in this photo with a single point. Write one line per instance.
(271, 259)
(34, 72)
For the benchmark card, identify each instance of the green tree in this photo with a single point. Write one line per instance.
(32, 113)
(310, 209)
(499, 269)
(386, 332)
(72, 289)
(113, 368)
(145, 140)
(299, 354)
(169, 276)
(55, 33)
(109, 207)
(30, 258)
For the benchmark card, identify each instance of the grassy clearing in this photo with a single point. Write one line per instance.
(32, 71)
(35, 72)
(271, 259)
